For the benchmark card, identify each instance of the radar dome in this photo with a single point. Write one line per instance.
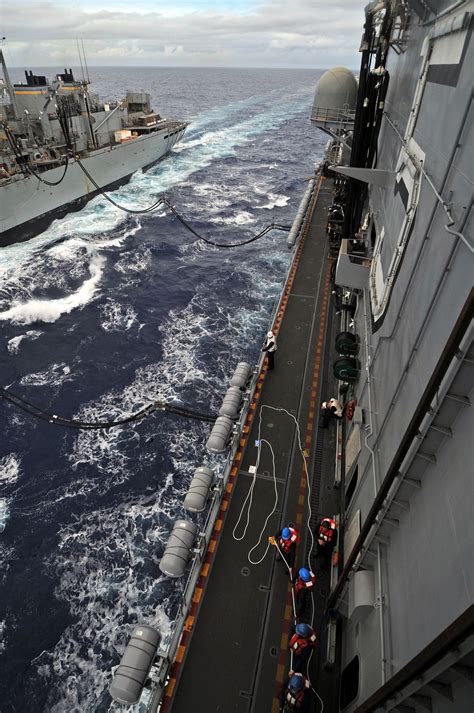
(336, 93)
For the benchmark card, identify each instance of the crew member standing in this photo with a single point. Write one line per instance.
(330, 409)
(327, 538)
(286, 541)
(301, 644)
(270, 347)
(303, 584)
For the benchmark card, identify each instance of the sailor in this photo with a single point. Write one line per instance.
(270, 347)
(302, 643)
(286, 541)
(327, 538)
(296, 693)
(330, 409)
(303, 583)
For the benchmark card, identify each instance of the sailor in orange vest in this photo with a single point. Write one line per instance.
(301, 644)
(327, 538)
(296, 693)
(286, 540)
(303, 583)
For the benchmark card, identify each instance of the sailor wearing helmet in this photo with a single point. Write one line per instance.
(270, 347)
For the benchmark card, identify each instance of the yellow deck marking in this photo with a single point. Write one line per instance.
(280, 673)
(170, 687)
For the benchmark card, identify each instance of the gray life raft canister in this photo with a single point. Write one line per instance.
(178, 549)
(196, 497)
(231, 403)
(132, 672)
(241, 375)
(219, 438)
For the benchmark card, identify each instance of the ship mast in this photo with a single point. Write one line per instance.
(9, 85)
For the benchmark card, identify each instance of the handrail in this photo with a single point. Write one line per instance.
(331, 114)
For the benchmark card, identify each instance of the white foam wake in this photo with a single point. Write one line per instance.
(50, 310)
(13, 344)
(9, 469)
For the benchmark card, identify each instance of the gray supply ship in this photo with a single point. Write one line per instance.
(376, 312)
(60, 146)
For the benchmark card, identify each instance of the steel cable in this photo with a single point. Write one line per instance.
(157, 405)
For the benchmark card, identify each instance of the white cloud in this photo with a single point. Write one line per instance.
(274, 33)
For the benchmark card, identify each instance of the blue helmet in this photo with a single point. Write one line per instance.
(305, 574)
(296, 683)
(303, 629)
(285, 533)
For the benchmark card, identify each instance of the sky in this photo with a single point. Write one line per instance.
(216, 33)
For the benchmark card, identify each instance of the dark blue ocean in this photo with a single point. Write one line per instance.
(103, 313)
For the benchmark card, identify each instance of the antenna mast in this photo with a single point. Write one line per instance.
(9, 85)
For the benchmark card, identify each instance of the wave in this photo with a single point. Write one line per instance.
(44, 310)
(10, 469)
(117, 317)
(13, 345)
(54, 375)
(275, 201)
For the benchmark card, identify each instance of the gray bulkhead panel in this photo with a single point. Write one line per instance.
(429, 559)
(424, 565)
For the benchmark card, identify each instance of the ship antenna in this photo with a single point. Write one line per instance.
(80, 60)
(85, 62)
(9, 84)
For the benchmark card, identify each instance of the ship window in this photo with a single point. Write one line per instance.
(350, 682)
(352, 486)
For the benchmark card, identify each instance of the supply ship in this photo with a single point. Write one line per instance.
(375, 313)
(60, 146)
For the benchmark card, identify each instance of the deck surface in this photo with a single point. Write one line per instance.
(236, 657)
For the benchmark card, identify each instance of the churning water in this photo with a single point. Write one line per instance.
(101, 314)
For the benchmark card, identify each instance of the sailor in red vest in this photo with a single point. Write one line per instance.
(302, 643)
(327, 538)
(295, 695)
(303, 584)
(286, 540)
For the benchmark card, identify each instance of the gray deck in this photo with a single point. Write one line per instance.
(231, 663)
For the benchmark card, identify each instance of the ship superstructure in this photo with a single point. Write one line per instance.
(60, 145)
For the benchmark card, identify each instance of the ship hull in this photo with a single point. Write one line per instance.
(23, 202)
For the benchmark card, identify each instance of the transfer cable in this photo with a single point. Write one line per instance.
(29, 168)
(165, 201)
(157, 405)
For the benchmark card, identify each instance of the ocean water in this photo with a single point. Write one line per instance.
(101, 314)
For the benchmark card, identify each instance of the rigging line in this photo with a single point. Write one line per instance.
(157, 405)
(150, 208)
(179, 216)
(29, 168)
